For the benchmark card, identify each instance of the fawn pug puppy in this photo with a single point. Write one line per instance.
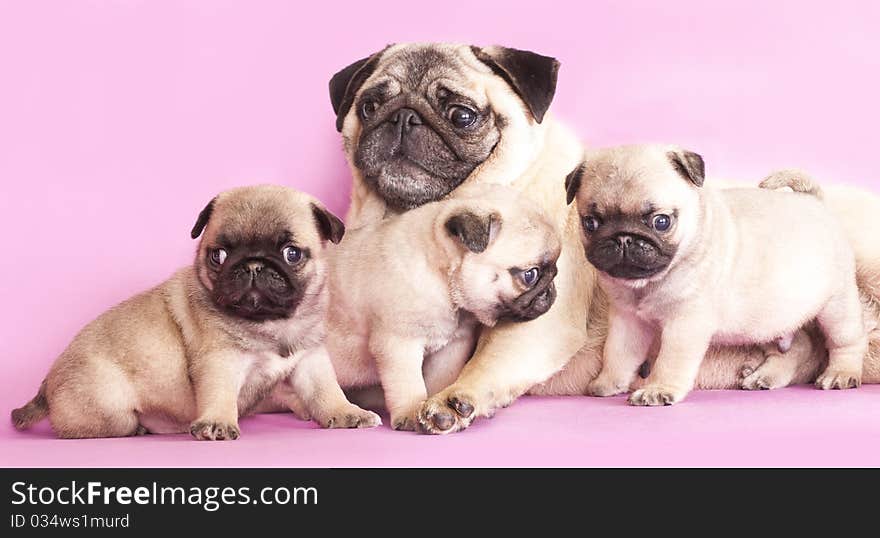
(409, 292)
(699, 266)
(205, 347)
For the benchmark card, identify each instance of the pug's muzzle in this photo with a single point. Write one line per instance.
(535, 302)
(628, 256)
(257, 289)
(407, 160)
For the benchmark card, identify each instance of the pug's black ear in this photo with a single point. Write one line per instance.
(474, 231)
(346, 83)
(689, 165)
(531, 75)
(573, 183)
(203, 219)
(329, 225)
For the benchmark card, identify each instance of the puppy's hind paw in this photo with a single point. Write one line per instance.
(655, 396)
(351, 416)
(604, 388)
(834, 380)
(210, 430)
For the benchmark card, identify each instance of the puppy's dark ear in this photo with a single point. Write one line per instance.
(345, 84)
(573, 183)
(474, 231)
(329, 226)
(203, 219)
(689, 165)
(531, 75)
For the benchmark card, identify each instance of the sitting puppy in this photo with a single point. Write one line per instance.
(408, 293)
(701, 266)
(204, 347)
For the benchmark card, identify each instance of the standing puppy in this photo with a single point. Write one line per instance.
(700, 266)
(203, 348)
(408, 294)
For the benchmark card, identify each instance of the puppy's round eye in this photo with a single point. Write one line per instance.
(530, 277)
(661, 223)
(368, 107)
(218, 256)
(462, 117)
(591, 224)
(292, 255)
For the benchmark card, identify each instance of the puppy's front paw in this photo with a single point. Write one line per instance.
(213, 430)
(839, 380)
(447, 412)
(655, 396)
(350, 416)
(407, 421)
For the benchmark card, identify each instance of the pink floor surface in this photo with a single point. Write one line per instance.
(797, 426)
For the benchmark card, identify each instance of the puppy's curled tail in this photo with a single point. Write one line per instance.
(34, 411)
(794, 179)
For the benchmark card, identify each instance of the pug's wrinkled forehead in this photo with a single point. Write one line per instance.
(636, 180)
(267, 212)
(429, 71)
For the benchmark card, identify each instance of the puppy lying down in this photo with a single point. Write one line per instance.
(244, 323)
(409, 293)
(696, 266)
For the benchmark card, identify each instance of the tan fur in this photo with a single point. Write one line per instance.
(407, 297)
(169, 360)
(536, 158)
(741, 275)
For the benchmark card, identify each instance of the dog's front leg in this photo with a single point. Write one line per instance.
(216, 381)
(683, 344)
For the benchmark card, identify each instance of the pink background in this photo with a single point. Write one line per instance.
(120, 119)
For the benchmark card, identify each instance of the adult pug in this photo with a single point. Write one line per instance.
(409, 294)
(206, 346)
(487, 109)
(419, 120)
(693, 265)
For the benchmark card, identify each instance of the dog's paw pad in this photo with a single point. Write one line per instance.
(441, 415)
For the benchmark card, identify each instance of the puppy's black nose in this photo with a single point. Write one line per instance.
(624, 240)
(255, 266)
(405, 118)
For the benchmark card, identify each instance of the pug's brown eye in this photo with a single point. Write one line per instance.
(368, 107)
(591, 224)
(662, 223)
(218, 256)
(530, 277)
(292, 255)
(462, 117)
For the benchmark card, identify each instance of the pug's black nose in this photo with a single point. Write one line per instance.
(255, 267)
(405, 118)
(624, 240)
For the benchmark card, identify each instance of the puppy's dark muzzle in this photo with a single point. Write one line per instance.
(535, 302)
(628, 256)
(256, 289)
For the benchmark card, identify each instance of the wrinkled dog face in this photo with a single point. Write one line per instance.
(508, 263)
(424, 118)
(638, 205)
(261, 252)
